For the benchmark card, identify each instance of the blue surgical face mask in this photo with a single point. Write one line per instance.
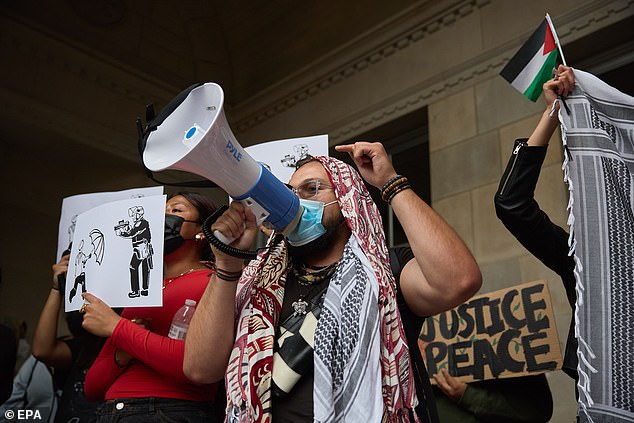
(309, 227)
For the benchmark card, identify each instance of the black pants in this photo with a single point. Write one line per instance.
(148, 410)
(135, 264)
(79, 280)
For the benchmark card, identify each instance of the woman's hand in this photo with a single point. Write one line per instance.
(561, 85)
(121, 357)
(449, 385)
(60, 268)
(99, 318)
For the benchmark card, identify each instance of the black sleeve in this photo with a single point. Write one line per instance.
(516, 207)
(400, 256)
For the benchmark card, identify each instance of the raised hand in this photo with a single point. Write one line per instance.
(372, 161)
(60, 268)
(560, 85)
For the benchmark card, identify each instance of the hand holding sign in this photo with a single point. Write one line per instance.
(99, 318)
(60, 268)
(506, 333)
(449, 385)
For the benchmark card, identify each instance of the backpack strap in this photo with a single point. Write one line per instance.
(25, 399)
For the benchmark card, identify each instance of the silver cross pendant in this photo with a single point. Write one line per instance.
(300, 306)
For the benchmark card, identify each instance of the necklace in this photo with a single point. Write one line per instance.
(170, 280)
(312, 280)
(311, 275)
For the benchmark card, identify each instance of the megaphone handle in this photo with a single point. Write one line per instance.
(220, 244)
(223, 238)
(259, 212)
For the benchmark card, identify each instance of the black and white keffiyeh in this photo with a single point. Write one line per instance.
(347, 345)
(362, 363)
(598, 133)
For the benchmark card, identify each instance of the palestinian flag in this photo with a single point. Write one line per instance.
(532, 65)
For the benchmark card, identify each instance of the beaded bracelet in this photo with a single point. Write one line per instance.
(393, 187)
(390, 182)
(397, 189)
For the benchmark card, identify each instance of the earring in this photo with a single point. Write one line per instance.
(199, 236)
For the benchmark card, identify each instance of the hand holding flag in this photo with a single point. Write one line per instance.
(532, 65)
(561, 85)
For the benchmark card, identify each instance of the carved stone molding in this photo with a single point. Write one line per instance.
(577, 24)
(574, 25)
(420, 21)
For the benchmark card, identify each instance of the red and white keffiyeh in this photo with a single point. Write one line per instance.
(360, 307)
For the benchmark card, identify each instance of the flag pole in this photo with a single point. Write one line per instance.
(552, 28)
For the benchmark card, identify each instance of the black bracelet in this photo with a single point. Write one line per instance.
(397, 189)
(387, 189)
(393, 187)
(390, 182)
(228, 276)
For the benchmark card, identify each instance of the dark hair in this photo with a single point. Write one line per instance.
(306, 159)
(203, 205)
(87, 345)
(205, 208)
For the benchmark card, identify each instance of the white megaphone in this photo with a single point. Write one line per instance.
(196, 138)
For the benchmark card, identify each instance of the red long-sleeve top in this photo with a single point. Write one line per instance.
(156, 369)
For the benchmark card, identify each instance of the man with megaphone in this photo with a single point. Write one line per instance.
(319, 332)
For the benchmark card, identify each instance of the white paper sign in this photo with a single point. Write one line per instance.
(117, 254)
(280, 156)
(77, 204)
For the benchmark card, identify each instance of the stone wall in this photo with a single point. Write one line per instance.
(447, 60)
(442, 55)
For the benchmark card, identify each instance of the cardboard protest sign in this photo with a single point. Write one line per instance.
(505, 333)
(117, 254)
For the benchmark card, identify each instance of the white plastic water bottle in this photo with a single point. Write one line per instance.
(180, 322)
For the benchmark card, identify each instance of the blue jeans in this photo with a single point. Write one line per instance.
(168, 410)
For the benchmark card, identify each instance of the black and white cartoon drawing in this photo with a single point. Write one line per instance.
(71, 229)
(97, 249)
(142, 251)
(301, 151)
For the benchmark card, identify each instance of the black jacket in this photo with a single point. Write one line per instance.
(516, 207)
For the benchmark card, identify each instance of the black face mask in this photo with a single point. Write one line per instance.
(172, 238)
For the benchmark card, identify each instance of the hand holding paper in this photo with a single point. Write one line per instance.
(99, 318)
